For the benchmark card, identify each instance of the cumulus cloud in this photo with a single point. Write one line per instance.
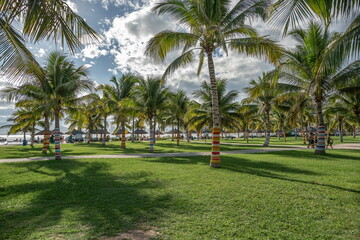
(92, 51)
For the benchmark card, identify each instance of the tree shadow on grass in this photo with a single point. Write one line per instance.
(80, 198)
(258, 168)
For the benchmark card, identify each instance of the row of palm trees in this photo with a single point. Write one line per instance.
(60, 90)
(314, 67)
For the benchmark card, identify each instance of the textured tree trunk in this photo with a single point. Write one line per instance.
(132, 130)
(178, 133)
(267, 136)
(123, 137)
(154, 128)
(46, 135)
(247, 132)
(57, 136)
(215, 151)
(340, 130)
(172, 131)
(105, 130)
(89, 135)
(320, 145)
(152, 136)
(32, 135)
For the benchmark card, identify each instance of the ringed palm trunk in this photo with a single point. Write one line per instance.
(178, 133)
(46, 135)
(172, 132)
(320, 145)
(123, 137)
(132, 130)
(152, 136)
(267, 136)
(215, 151)
(57, 136)
(105, 130)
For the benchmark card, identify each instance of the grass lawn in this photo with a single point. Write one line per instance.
(279, 195)
(164, 146)
(290, 140)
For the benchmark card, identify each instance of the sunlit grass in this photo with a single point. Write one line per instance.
(280, 195)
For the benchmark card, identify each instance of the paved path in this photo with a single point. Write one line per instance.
(183, 154)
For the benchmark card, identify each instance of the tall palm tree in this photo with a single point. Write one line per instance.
(212, 25)
(151, 96)
(64, 84)
(307, 67)
(39, 20)
(179, 104)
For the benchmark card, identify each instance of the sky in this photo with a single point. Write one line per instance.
(126, 26)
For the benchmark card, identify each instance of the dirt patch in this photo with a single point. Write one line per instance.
(134, 235)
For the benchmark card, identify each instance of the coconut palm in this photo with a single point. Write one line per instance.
(226, 102)
(151, 96)
(264, 95)
(307, 67)
(179, 104)
(39, 20)
(212, 25)
(64, 85)
(119, 101)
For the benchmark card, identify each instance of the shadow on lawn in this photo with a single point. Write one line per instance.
(95, 202)
(257, 168)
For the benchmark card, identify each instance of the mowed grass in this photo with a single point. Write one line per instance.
(279, 195)
(163, 146)
(289, 140)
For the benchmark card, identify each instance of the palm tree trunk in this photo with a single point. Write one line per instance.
(105, 130)
(132, 130)
(57, 136)
(152, 136)
(123, 137)
(32, 135)
(215, 151)
(267, 137)
(178, 133)
(340, 130)
(172, 131)
(89, 135)
(24, 140)
(46, 135)
(320, 145)
(154, 128)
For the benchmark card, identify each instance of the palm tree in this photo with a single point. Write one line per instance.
(64, 85)
(263, 94)
(39, 20)
(212, 25)
(307, 67)
(119, 100)
(227, 106)
(151, 96)
(24, 120)
(179, 104)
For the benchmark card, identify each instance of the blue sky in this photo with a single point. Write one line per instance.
(126, 26)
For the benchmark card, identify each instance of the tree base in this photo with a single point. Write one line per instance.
(319, 151)
(215, 165)
(265, 145)
(57, 157)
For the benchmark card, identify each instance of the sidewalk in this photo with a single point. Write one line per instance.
(184, 154)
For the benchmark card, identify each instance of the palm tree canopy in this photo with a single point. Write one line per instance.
(40, 19)
(212, 24)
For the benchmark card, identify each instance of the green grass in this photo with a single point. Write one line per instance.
(279, 195)
(290, 140)
(164, 146)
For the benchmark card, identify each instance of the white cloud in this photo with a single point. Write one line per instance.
(72, 5)
(92, 51)
(41, 53)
